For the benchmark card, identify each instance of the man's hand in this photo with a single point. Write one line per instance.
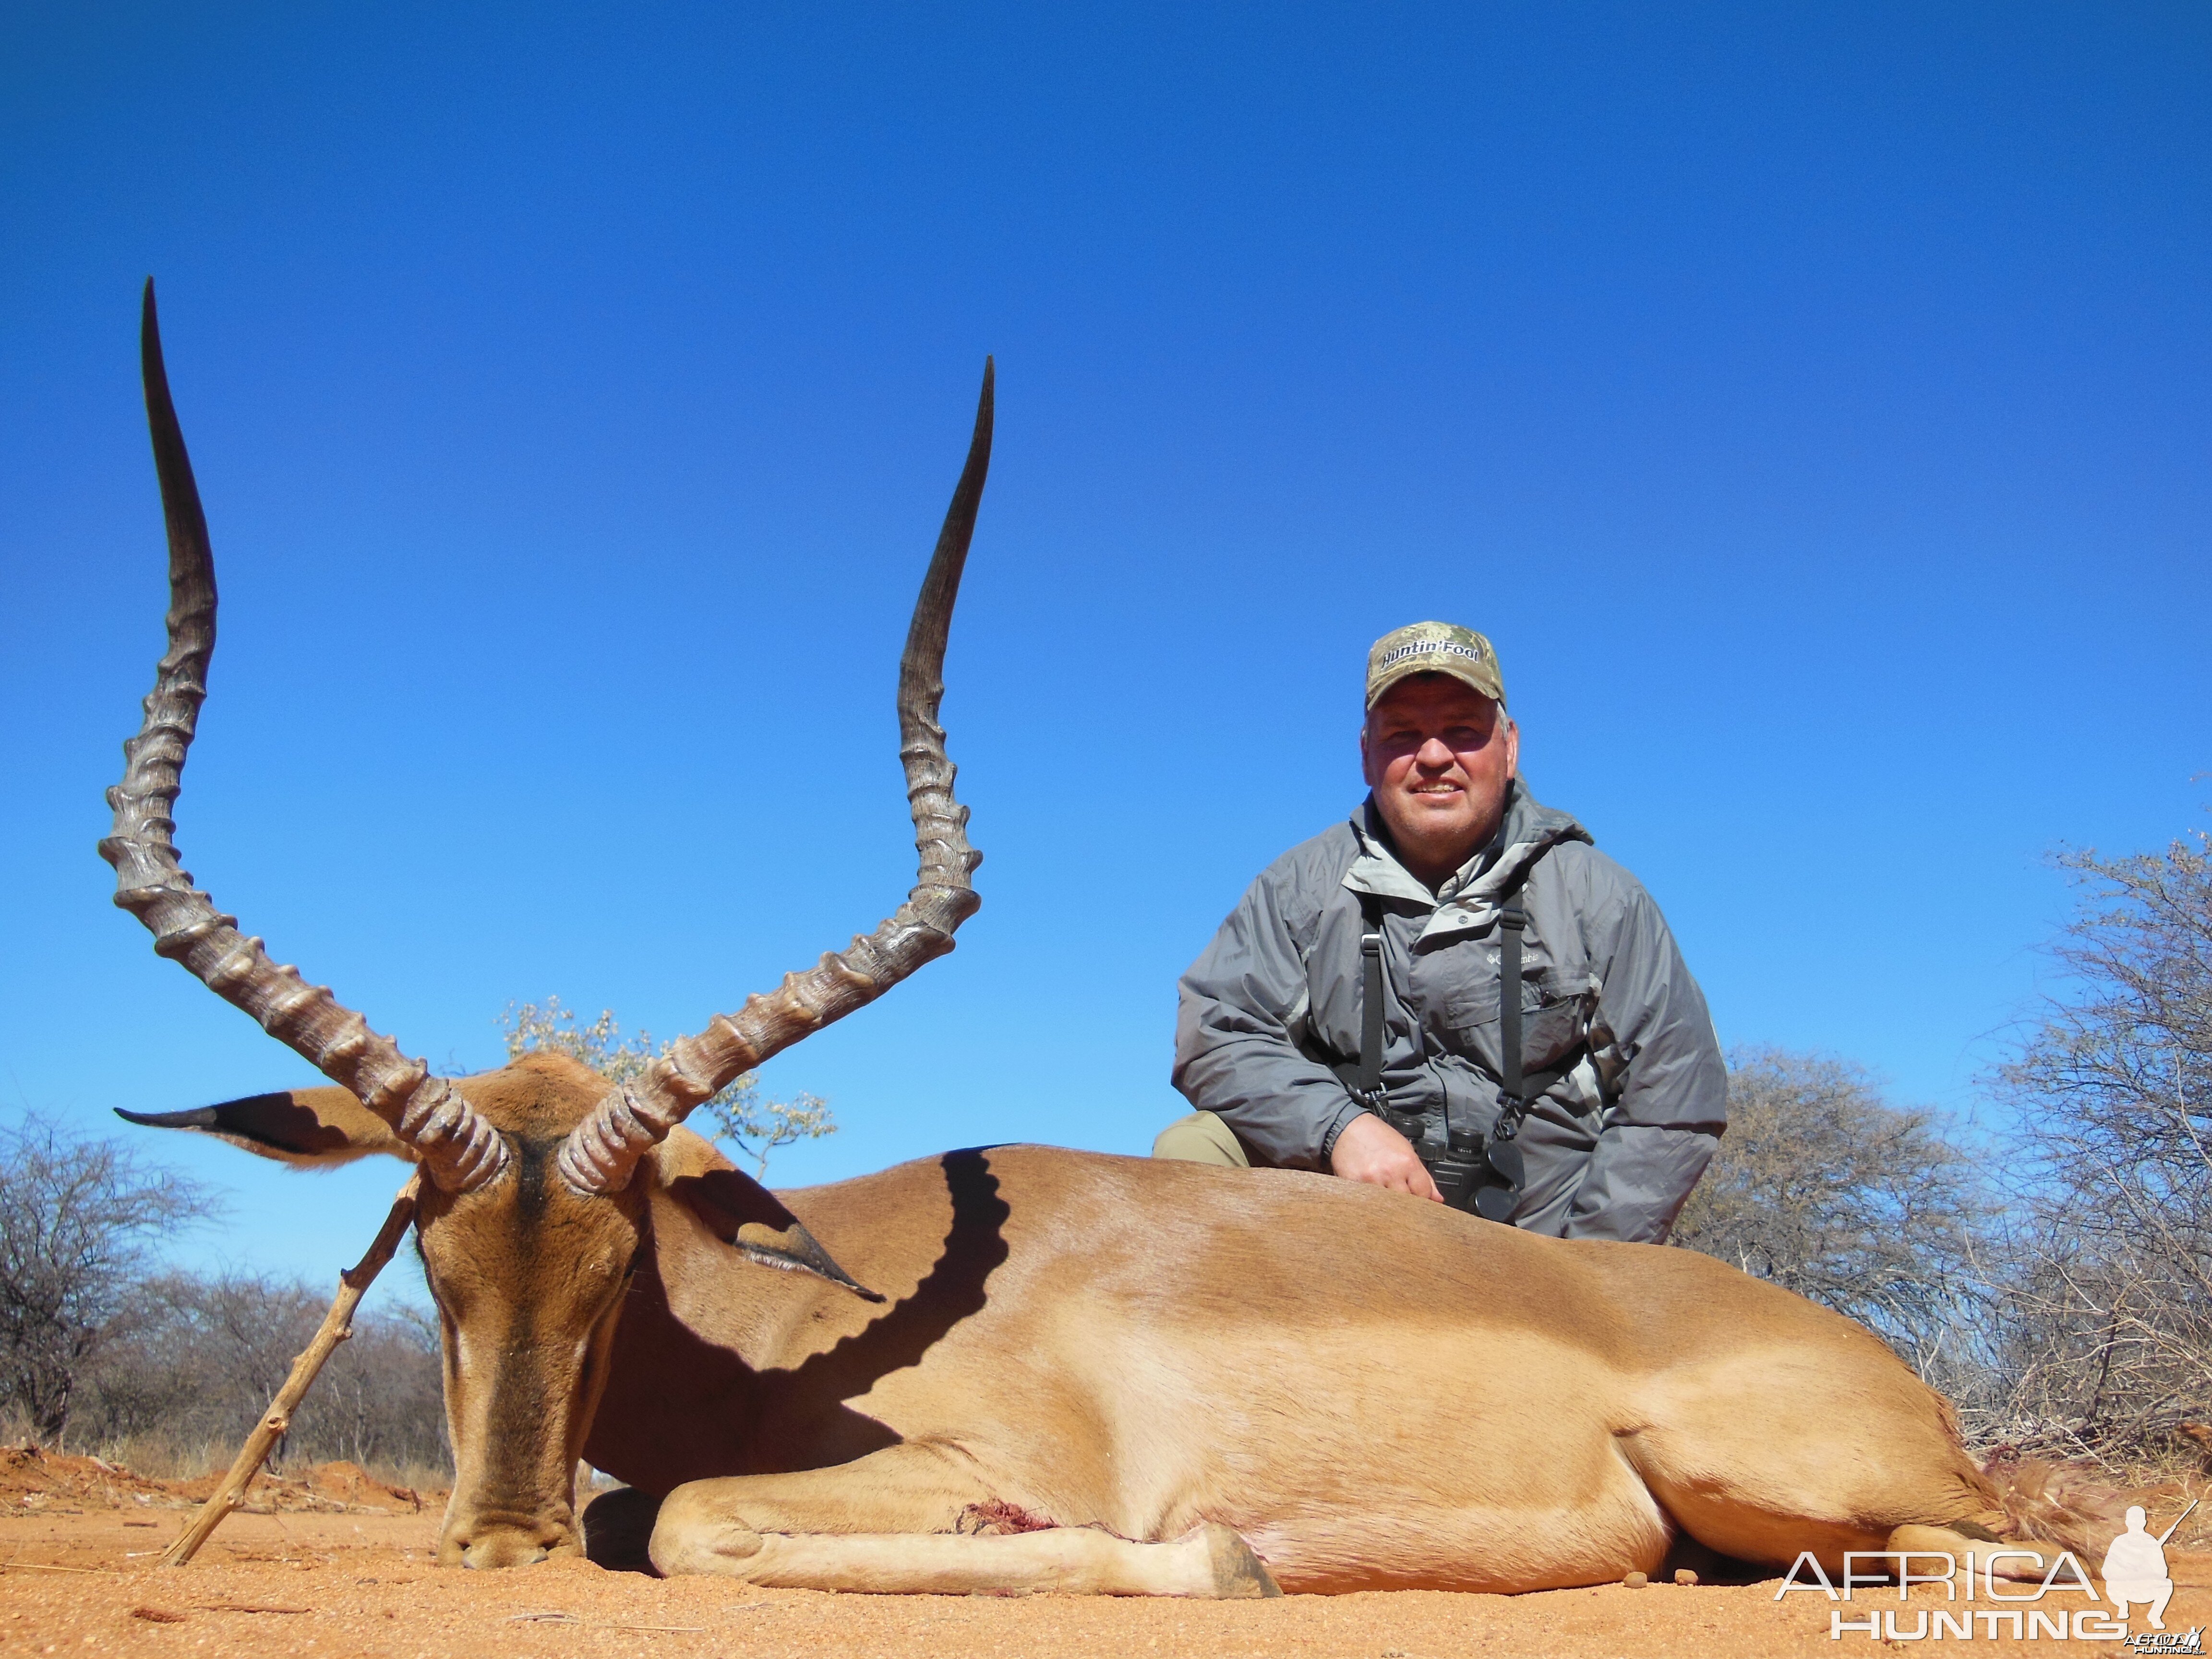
(1369, 1150)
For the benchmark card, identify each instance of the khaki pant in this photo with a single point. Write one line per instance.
(1201, 1138)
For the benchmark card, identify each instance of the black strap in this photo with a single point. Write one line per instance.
(1512, 918)
(1481, 1174)
(1362, 1077)
(1499, 1193)
(1369, 1087)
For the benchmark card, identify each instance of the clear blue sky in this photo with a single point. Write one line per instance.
(1811, 401)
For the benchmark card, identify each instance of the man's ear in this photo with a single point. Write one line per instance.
(308, 1128)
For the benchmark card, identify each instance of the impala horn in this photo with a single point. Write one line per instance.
(457, 1148)
(601, 1152)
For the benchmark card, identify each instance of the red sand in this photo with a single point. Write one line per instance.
(309, 1579)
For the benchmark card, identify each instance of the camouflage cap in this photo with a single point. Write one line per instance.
(1434, 648)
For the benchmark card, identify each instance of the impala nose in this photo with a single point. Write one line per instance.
(496, 1547)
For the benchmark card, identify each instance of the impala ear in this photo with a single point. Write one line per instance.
(308, 1128)
(750, 1219)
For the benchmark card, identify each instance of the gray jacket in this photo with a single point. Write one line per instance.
(1612, 1148)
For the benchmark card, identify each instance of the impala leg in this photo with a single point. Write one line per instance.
(1210, 1561)
(1866, 1457)
(887, 1522)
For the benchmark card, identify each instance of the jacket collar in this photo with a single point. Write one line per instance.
(1468, 900)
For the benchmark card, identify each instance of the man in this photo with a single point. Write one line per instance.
(1451, 870)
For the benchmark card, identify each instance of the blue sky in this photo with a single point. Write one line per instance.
(1810, 401)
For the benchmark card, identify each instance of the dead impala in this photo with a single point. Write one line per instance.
(1026, 1367)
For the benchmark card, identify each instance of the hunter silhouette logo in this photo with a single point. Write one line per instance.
(2134, 1568)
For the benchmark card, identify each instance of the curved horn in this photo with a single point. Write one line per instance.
(459, 1150)
(602, 1151)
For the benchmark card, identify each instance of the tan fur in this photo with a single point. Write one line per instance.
(528, 1278)
(1373, 1391)
(1210, 1561)
(2072, 1504)
(366, 1135)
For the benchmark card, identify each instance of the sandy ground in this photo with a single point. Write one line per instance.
(325, 1585)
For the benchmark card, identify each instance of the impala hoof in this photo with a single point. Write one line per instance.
(1238, 1574)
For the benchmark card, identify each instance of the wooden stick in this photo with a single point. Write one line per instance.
(337, 1327)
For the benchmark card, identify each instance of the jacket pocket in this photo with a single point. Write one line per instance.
(1551, 1022)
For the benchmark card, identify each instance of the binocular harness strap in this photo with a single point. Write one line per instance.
(1367, 1088)
(1483, 1175)
(1512, 918)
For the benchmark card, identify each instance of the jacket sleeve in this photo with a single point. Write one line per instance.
(1661, 1132)
(1242, 1010)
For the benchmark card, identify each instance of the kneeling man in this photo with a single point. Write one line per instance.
(1348, 1016)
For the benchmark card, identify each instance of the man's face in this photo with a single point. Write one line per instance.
(1438, 756)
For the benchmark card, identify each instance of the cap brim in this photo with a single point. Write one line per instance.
(1466, 674)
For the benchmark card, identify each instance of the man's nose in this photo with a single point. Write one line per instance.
(1436, 753)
